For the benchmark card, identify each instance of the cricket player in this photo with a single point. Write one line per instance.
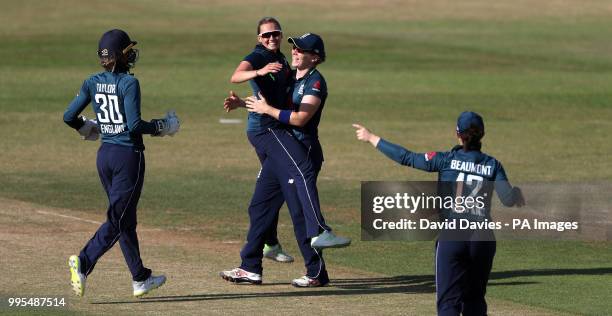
(462, 266)
(268, 72)
(308, 98)
(115, 97)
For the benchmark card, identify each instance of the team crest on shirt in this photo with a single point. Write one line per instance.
(301, 89)
(317, 86)
(430, 155)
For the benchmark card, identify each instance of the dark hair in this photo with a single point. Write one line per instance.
(121, 62)
(320, 60)
(268, 19)
(116, 64)
(471, 138)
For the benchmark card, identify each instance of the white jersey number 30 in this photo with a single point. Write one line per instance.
(109, 109)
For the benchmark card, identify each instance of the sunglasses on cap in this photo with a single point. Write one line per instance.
(270, 34)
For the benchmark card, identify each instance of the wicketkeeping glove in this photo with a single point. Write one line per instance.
(169, 125)
(90, 129)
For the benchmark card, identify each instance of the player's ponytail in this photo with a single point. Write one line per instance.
(471, 138)
(119, 64)
(115, 65)
(107, 63)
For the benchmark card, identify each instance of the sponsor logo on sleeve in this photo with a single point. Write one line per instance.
(317, 86)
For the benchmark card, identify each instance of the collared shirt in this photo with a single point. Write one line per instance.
(115, 98)
(476, 172)
(274, 87)
(313, 84)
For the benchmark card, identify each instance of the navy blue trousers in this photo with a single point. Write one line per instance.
(121, 170)
(284, 151)
(263, 209)
(270, 182)
(276, 201)
(462, 273)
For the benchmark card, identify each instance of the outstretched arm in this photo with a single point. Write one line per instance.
(233, 102)
(393, 151)
(363, 134)
(426, 162)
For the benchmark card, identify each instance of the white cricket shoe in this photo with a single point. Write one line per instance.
(327, 239)
(77, 279)
(143, 287)
(277, 254)
(306, 281)
(238, 275)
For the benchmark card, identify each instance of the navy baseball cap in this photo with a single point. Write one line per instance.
(113, 42)
(467, 120)
(309, 42)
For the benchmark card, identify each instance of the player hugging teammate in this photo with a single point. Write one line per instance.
(285, 137)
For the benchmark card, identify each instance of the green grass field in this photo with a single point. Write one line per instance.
(540, 72)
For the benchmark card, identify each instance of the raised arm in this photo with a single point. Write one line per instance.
(245, 72)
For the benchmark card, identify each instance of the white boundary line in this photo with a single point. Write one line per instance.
(69, 216)
(89, 220)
